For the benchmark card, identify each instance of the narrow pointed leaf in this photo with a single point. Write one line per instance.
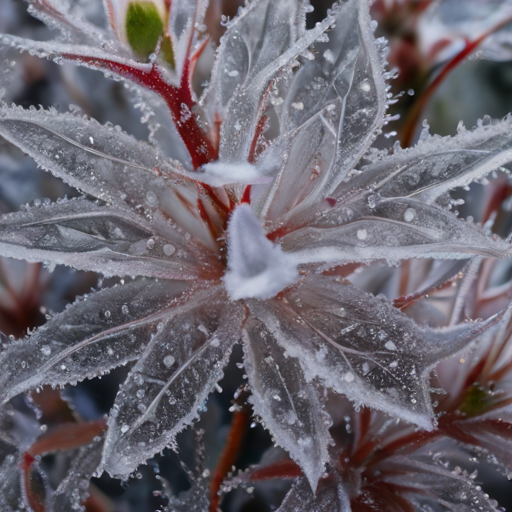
(331, 498)
(186, 16)
(73, 490)
(289, 406)
(361, 346)
(260, 33)
(392, 230)
(101, 331)
(99, 160)
(338, 101)
(171, 380)
(427, 485)
(269, 57)
(89, 236)
(437, 165)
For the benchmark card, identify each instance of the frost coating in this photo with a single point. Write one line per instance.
(257, 268)
(225, 173)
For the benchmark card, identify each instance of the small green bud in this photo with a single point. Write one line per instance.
(144, 27)
(475, 401)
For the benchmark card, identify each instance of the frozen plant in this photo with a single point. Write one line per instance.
(240, 229)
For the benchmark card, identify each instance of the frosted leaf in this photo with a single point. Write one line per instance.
(389, 231)
(268, 55)
(436, 166)
(88, 236)
(90, 337)
(185, 21)
(256, 267)
(199, 335)
(58, 14)
(17, 433)
(445, 21)
(361, 346)
(425, 484)
(112, 165)
(103, 161)
(330, 498)
(73, 490)
(289, 406)
(344, 102)
(245, 50)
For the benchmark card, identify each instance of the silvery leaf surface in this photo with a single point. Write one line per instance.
(17, 433)
(99, 160)
(73, 490)
(97, 333)
(267, 57)
(104, 162)
(361, 346)
(73, 26)
(289, 406)
(427, 484)
(392, 230)
(186, 19)
(172, 379)
(111, 240)
(332, 112)
(434, 166)
(330, 498)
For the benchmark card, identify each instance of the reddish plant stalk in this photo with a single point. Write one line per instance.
(229, 455)
(178, 99)
(409, 127)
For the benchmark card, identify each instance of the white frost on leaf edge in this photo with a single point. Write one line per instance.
(257, 268)
(218, 174)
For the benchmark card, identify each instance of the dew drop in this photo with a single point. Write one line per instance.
(46, 350)
(125, 428)
(298, 105)
(329, 56)
(365, 86)
(390, 345)
(362, 234)
(169, 361)
(151, 198)
(169, 249)
(409, 214)
(349, 377)
(124, 309)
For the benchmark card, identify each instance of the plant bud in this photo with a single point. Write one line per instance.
(138, 23)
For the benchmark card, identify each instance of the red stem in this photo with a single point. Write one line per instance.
(228, 456)
(411, 122)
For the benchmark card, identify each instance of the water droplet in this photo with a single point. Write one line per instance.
(298, 105)
(365, 86)
(329, 56)
(233, 73)
(349, 377)
(150, 243)
(390, 345)
(140, 393)
(107, 314)
(409, 214)
(46, 350)
(125, 428)
(169, 361)
(410, 92)
(169, 249)
(151, 198)
(362, 234)
(124, 309)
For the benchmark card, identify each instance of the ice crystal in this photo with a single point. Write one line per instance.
(233, 244)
